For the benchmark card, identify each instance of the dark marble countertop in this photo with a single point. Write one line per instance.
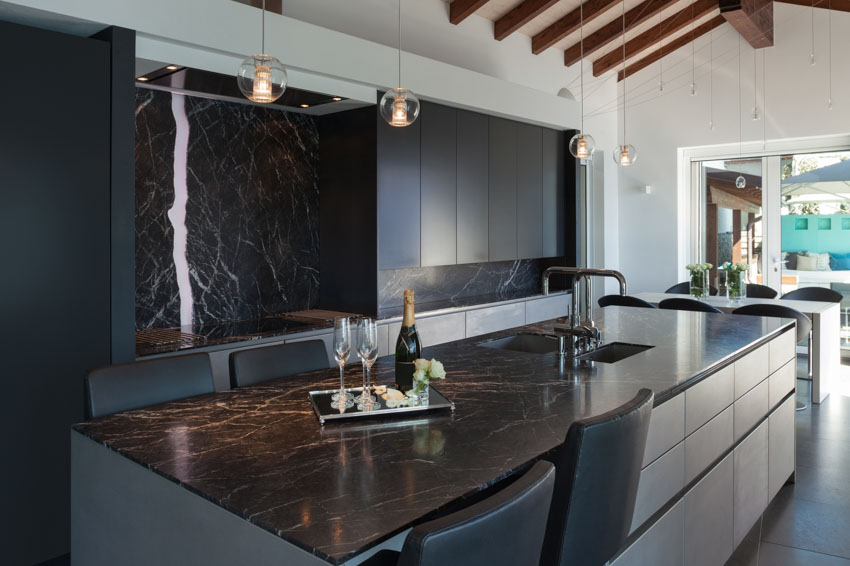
(336, 491)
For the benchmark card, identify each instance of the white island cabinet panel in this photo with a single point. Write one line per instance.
(782, 382)
(709, 397)
(780, 451)
(666, 428)
(708, 506)
(660, 545)
(708, 443)
(782, 349)
(751, 370)
(659, 482)
(750, 409)
(751, 464)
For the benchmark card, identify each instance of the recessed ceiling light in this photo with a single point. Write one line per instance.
(172, 67)
(337, 98)
(305, 106)
(143, 79)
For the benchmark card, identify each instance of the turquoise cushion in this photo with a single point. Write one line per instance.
(839, 262)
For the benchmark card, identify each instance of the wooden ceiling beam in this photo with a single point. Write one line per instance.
(570, 23)
(752, 18)
(519, 16)
(665, 50)
(839, 5)
(675, 23)
(459, 10)
(612, 30)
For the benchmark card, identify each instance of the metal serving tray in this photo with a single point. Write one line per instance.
(321, 401)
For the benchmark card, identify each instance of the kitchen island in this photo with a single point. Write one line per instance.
(249, 476)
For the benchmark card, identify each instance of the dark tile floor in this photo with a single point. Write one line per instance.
(808, 524)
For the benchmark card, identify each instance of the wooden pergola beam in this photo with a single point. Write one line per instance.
(675, 23)
(613, 30)
(519, 16)
(752, 18)
(459, 10)
(672, 46)
(570, 23)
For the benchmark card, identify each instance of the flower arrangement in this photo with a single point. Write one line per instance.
(734, 267)
(424, 372)
(699, 279)
(735, 284)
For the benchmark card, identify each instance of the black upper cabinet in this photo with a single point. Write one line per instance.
(398, 195)
(529, 202)
(439, 185)
(502, 190)
(553, 155)
(472, 187)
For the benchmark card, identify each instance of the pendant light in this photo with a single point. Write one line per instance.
(812, 54)
(740, 181)
(693, 56)
(261, 77)
(625, 154)
(711, 80)
(399, 106)
(756, 116)
(829, 67)
(582, 144)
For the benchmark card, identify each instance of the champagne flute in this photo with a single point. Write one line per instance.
(368, 352)
(342, 345)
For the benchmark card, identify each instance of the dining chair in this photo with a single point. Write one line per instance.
(814, 294)
(598, 470)
(624, 301)
(256, 365)
(756, 291)
(684, 288)
(505, 529)
(122, 387)
(804, 327)
(681, 304)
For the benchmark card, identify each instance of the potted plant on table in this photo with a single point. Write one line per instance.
(736, 284)
(699, 279)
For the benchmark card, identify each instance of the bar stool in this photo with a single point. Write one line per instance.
(624, 301)
(122, 387)
(684, 288)
(756, 291)
(506, 529)
(680, 304)
(256, 365)
(804, 327)
(813, 294)
(596, 485)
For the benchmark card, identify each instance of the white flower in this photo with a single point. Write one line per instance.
(420, 376)
(422, 365)
(437, 370)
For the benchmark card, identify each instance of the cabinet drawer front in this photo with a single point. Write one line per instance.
(666, 428)
(659, 482)
(780, 446)
(707, 444)
(708, 398)
(708, 509)
(660, 545)
(782, 382)
(434, 330)
(782, 349)
(751, 369)
(750, 460)
(750, 408)
(493, 319)
(547, 308)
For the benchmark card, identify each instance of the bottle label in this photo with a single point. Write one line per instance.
(404, 376)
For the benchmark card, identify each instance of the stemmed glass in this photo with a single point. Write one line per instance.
(342, 345)
(368, 352)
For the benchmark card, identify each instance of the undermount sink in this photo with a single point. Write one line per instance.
(614, 352)
(529, 343)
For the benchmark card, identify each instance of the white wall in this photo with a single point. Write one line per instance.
(659, 123)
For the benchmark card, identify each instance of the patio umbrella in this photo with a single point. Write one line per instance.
(831, 182)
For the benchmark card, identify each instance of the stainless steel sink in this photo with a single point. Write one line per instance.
(614, 352)
(529, 343)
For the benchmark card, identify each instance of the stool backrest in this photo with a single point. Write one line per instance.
(756, 291)
(804, 324)
(814, 294)
(256, 365)
(680, 304)
(624, 301)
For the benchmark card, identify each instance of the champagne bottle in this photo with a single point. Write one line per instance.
(408, 348)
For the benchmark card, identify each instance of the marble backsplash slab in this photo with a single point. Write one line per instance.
(500, 279)
(250, 184)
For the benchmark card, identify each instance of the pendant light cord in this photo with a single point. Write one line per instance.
(755, 84)
(581, 59)
(740, 129)
(263, 32)
(812, 55)
(763, 102)
(624, 72)
(829, 35)
(711, 79)
(399, 43)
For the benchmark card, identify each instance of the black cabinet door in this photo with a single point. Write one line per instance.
(554, 154)
(439, 185)
(502, 190)
(472, 187)
(398, 195)
(529, 200)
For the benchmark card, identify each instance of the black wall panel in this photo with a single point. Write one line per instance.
(473, 187)
(438, 201)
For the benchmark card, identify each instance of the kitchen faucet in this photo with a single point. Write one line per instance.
(582, 333)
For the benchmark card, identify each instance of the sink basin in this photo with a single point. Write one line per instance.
(529, 343)
(614, 352)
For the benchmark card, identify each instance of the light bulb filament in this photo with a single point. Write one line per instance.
(625, 159)
(262, 90)
(399, 112)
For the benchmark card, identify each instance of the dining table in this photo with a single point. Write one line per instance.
(825, 355)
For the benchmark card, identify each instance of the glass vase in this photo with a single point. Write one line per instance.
(422, 395)
(699, 284)
(736, 286)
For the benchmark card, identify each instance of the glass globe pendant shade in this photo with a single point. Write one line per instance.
(399, 107)
(582, 146)
(262, 78)
(741, 182)
(625, 155)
